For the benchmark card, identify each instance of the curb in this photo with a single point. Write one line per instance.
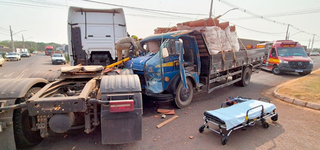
(293, 100)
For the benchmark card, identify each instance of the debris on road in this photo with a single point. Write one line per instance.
(166, 111)
(167, 121)
(190, 137)
(163, 116)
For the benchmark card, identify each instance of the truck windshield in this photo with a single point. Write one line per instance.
(291, 51)
(153, 74)
(154, 66)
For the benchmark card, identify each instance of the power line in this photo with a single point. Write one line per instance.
(20, 4)
(142, 9)
(35, 3)
(283, 14)
(27, 4)
(46, 3)
(4, 29)
(262, 17)
(4, 34)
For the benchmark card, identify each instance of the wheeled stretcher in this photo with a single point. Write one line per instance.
(238, 113)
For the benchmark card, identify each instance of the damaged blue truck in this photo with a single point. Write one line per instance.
(174, 67)
(183, 65)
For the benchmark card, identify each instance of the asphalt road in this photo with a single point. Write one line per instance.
(26, 66)
(297, 127)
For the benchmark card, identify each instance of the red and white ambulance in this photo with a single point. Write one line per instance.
(286, 56)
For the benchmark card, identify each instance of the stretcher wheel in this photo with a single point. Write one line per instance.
(265, 124)
(274, 118)
(201, 129)
(224, 140)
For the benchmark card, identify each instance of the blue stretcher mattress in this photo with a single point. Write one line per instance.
(234, 115)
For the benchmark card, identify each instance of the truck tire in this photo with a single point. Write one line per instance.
(276, 70)
(22, 124)
(246, 76)
(183, 96)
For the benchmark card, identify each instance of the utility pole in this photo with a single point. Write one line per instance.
(12, 42)
(210, 14)
(312, 43)
(287, 37)
(23, 42)
(309, 44)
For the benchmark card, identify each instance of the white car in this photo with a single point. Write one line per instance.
(58, 59)
(1, 60)
(25, 54)
(13, 56)
(314, 54)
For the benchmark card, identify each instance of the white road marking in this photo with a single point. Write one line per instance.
(22, 73)
(8, 75)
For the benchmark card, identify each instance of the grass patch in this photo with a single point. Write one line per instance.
(306, 88)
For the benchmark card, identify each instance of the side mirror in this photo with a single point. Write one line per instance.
(165, 52)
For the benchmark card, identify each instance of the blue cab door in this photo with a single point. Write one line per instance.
(180, 50)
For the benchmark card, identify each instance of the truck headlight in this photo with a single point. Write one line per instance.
(311, 61)
(283, 61)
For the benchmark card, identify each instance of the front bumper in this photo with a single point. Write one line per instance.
(12, 58)
(295, 67)
(58, 61)
(159, 97)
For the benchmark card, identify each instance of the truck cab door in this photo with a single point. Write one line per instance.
(180, 51)
(273, 59)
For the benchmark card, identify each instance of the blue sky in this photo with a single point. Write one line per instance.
(46, 20)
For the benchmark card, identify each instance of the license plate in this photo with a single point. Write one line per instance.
(298, 70)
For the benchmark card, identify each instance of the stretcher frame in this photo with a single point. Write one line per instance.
(248, 122)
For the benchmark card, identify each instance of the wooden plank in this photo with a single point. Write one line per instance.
(167, 121)
(166, 111)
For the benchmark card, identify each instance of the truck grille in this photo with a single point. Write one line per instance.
(299, 64)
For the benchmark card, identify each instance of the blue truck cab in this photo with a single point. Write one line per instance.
(171, 60)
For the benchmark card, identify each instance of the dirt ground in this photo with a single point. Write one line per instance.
(306, 88)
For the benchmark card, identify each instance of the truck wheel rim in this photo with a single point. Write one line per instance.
(276, 70)
(185, 94)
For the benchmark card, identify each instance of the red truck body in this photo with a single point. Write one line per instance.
(49, 50)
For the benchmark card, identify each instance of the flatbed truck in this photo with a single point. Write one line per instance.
(178, 64)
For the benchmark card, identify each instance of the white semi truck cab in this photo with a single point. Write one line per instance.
(92, 35)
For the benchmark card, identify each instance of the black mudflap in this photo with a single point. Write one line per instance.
(79, 55)
(123, 127)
